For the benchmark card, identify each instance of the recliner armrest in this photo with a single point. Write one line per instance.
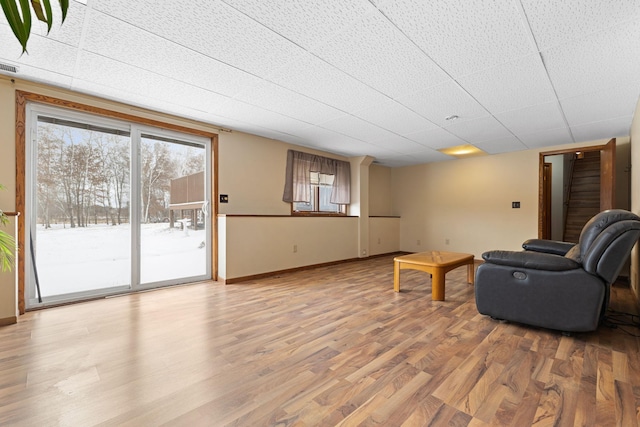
(532, 260)
(547, 246)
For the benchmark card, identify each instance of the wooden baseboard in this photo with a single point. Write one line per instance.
(293, 270)
(8, 320)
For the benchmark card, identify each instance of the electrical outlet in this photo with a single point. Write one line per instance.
(446, 241)
(295, 248)
(418, 242)
(378, 240)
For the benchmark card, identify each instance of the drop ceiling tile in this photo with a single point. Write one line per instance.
(70, 32)
(482, 129)
(399, 145)
(612, 128)
(375, 52)
(532, 119)
(396, 118)
(603, 60)
(262, 117)
(416, 158)
(555, 22)
(547, 138)
(44, 53)
(438, 102)
(137, 82)
(603, 105)
(518, 83)
(307, 22)
(436, 138)
(501, 145)
(119, 40)
(316, 79)
(463, 37)
(335, 142)
(357, 128)
(282, 100)
(212, 28)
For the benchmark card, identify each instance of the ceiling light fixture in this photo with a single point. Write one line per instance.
(463, 151)
(451, 117)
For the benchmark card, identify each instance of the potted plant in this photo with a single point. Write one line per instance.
(7, 243)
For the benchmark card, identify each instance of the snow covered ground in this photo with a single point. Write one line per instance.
(99, 256)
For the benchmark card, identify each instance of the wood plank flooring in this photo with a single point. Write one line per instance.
(332, 346)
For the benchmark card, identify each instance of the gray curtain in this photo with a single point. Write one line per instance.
(297, 185)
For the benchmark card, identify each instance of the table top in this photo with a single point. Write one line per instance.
(434, 258)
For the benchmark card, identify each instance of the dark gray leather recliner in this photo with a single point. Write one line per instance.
(558, 285)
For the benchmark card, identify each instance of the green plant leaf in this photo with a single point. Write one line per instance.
(7, 245)
(64, 6)
(20, 25)
(43, 15)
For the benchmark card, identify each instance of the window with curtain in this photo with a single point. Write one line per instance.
(317, 184)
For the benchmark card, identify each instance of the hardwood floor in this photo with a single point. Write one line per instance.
(324, 347)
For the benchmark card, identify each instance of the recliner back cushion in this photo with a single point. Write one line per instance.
(598, 223)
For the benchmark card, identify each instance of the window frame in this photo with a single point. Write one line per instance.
(316, 203)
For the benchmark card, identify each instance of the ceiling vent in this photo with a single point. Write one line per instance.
(8, 68)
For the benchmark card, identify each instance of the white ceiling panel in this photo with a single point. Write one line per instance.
(306, 22)
(386, 59)
(532, 119)
(121, 41)
(399, 144)
(319, 80)
(436, 138)
(597, 106)
(482, 129)
(501, 145)
(356, 128)
(446, 99)
(44, 53)
(70, 32)
(424, 156)
(212, 28)
(363, 77)
(547, 138)
(601, 130)
(284, 101)
(522, 81)
(601, 61)
(555, 22)
(463, 37)
(396, 118)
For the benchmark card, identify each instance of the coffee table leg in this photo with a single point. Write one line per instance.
(437, 285)
(396, 276)
(470, 274)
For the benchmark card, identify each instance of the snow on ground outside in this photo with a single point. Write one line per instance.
(98, 256)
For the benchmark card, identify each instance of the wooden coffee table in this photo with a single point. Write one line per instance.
(437, 263)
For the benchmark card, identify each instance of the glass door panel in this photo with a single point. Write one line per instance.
(80, 235)
(174, 230)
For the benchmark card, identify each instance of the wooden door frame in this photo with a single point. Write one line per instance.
(607, 174)
(546, 211)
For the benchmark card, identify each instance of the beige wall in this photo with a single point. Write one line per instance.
(467, 202)
(380, 192)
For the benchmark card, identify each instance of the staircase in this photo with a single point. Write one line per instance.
(583, 201)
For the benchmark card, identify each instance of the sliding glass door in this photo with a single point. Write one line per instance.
(173, 209)
(112, 207)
